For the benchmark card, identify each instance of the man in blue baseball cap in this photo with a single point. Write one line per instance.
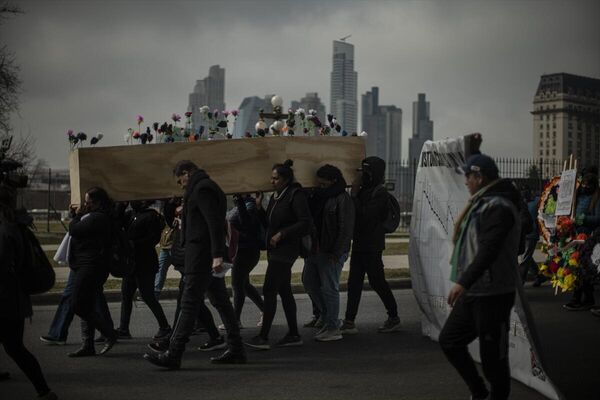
(484, 269)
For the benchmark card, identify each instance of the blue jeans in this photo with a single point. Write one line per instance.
(59, 329)
(321, 279)
(163, 268)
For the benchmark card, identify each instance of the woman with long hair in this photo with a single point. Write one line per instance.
(287, 221)
(90, 232)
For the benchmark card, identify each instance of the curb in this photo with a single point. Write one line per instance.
(113, 296)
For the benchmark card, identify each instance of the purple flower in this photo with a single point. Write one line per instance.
(235, 113)
(176, 117)
(70, 132)
(140, 119)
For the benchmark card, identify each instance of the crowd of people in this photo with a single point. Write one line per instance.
(201, 239)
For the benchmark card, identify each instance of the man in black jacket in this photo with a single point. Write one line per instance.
(203, 237)
(484, 269)
(371, 203)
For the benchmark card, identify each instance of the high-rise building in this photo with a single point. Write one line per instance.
(248, 114)
(210, 92)
(566, 119)
(422, 128)
(383, 125)
(343, 86)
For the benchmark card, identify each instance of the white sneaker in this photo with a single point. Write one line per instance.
(260, 321)
(329, 335)
(222, 326)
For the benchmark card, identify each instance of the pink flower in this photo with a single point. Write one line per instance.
(140, 119)
(70, 132)
(235, 113)
(176, 117)
(136, 135)
(225, 113)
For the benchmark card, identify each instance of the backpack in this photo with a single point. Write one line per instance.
(36, 274)
(121, 262)
(392, 221)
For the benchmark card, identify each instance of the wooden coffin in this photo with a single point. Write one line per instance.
(143, 172)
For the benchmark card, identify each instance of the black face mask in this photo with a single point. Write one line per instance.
(367, 179)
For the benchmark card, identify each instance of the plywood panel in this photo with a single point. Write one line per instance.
(139, 172)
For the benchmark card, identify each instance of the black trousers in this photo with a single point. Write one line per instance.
(584, 293)
(205, 317)
(143, 280)
(245, 261)
(371, 264)
(195, 286)
(11, 336)
(88, 284)
(486, 318)
(278, 281)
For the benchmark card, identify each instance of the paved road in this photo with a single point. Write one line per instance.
(403, 365)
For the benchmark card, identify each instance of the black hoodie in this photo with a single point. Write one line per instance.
(371, 208)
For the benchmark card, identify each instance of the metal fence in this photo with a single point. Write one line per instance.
(528, 174)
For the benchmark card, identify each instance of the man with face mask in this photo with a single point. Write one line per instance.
(371, 205)
(143, 226)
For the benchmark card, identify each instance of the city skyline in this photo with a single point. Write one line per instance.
(85, 67)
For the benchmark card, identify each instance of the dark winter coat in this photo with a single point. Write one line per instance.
(203, 230)
(90, 240)
(144, 228)
(289, 215)
(244, 218)
(14, 302)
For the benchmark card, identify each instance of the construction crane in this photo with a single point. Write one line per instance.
(344, 38)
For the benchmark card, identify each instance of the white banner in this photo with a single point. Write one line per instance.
(440, 195)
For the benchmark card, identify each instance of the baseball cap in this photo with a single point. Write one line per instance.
(483, 164)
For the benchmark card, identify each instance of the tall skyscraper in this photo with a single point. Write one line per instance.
(566, 119)
(383, 125)
(343, 86)
(422, 128)
(210, 92)
(248, 114)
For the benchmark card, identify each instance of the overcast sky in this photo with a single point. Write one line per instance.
(93, 66)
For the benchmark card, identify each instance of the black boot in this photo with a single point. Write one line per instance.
(229, 358)
(167, 359)
(87, 348)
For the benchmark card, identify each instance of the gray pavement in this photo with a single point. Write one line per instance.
(369, 365)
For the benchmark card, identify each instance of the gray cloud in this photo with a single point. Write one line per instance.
(93, 66)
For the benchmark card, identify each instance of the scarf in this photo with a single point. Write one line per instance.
(459, 228)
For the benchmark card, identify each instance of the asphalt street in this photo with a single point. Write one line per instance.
(369, 365)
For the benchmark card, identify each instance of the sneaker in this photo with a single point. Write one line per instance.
(52, 341)
(312, 322)
(214, 344)
(222, 326)
(123, 333)
(290, 341)
(260, 321)
(329, 335)
(348, 328)
(390, 325)
(258, 342)
(159, 347)
(321, 331)
(576, 306)
(162, 333)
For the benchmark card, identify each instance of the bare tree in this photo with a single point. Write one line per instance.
(23, 147)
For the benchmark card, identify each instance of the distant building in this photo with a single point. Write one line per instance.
(248, 114)
(422, 128)
(566, 119)
(344, 86)
(210, 92)
(383, 125)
